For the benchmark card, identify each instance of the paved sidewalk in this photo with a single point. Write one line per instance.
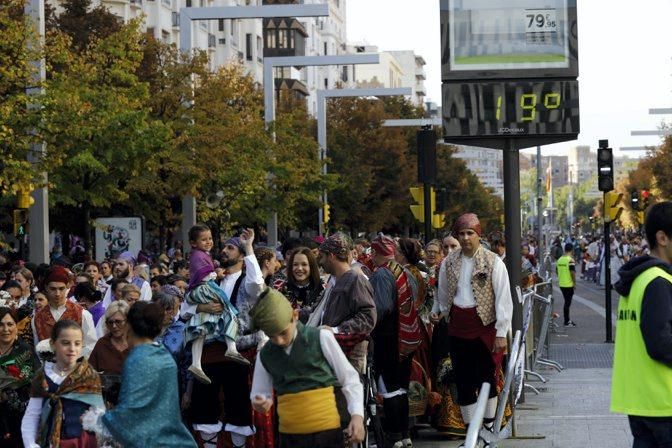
(572, 411)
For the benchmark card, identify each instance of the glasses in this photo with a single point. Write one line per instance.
(115, 322)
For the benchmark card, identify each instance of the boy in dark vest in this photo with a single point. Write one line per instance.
(303, 364)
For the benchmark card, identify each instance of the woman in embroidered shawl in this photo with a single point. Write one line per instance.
(18, 364)
(60, 394)
(148, 412)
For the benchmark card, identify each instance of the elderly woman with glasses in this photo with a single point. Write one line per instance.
(110, 352)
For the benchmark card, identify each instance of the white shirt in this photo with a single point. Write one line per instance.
(253, 284)
(88, 328)
(31, 418)
(145, 293)
(464, 297)
(347, 376)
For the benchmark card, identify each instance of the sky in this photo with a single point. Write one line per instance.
(625, 61)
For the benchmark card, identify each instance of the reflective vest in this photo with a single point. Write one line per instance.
(564, 274)
(640, 385)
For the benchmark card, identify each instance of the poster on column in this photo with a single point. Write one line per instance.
(117, 235)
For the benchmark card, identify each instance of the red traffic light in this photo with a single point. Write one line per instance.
(645, 194)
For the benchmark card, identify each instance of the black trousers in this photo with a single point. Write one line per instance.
(231, 378)
(473, 366)
(325, 439)
(651, 432)
(568, 294)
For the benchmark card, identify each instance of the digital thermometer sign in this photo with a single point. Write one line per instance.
(546, 109)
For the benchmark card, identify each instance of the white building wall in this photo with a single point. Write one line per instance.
(486, 164)
(413, 67)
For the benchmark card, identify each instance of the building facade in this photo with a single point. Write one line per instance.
(486, 164)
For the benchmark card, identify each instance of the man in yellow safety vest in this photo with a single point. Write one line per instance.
(642, 374)
(566, 268)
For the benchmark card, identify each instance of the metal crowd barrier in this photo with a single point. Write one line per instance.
(477, 420)
(542, 314)
(497, 434)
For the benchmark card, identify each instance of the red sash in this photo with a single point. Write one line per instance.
(409, 337)
(44, 320)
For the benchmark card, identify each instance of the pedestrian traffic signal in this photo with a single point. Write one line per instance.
(612, 209)
(634, 201)
(23, 198)
(326, 216)
(605, 167)
(20, 222)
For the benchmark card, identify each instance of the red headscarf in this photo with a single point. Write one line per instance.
(467, 221)
(384, 245)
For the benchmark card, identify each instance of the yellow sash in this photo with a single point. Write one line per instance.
(308, 412)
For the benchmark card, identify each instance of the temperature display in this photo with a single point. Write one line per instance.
(510, 109)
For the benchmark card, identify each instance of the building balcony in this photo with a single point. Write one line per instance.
(420, 90)
(284, 37)
(420, 73)
(294, 87)
(280, 2)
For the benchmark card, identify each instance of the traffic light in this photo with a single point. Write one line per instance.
(20, 222)
(634, 200)
(640, 218)
(439, 221)
(646, 196)
(605, 167)
(23, 198)
(612, 210)
(419, 208)
(326, 216)
(426, 140)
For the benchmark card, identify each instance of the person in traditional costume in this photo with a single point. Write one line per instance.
(302, 365)
(347, 307)
(396, 337)
(243, 281)
(148, 411)
(61, 392)
(59, 307)
(303, 286)
(474, 294)
(202, 291)
(18, 364)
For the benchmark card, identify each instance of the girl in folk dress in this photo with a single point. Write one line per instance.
(204, 290)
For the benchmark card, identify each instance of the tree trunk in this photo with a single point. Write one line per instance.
(87, 230)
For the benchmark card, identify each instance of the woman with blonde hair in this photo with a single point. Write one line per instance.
(111, 350)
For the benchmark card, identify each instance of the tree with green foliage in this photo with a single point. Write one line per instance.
(98, 126)
(19, 46)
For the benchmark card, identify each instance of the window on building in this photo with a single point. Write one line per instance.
(248, 47)
(325, 49)
(188, 3)
(326, 83)
(260, 48)
(283, 42)
(270, 39)
(220, 24)
(344, 73)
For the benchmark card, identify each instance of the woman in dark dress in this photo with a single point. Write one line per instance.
(303, 287)
(18, 364)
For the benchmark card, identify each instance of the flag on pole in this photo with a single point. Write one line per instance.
(549, 176)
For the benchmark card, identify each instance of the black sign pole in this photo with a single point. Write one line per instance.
(512, 227)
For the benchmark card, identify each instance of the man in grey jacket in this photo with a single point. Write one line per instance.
(348, 306)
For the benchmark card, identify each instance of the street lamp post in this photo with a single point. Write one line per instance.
(269, 98)
(322, 96)
(187, 15)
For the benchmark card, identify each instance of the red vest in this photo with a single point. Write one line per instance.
(44, 320)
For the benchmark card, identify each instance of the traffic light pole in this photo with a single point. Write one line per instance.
(607, 280)
(427, 187)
